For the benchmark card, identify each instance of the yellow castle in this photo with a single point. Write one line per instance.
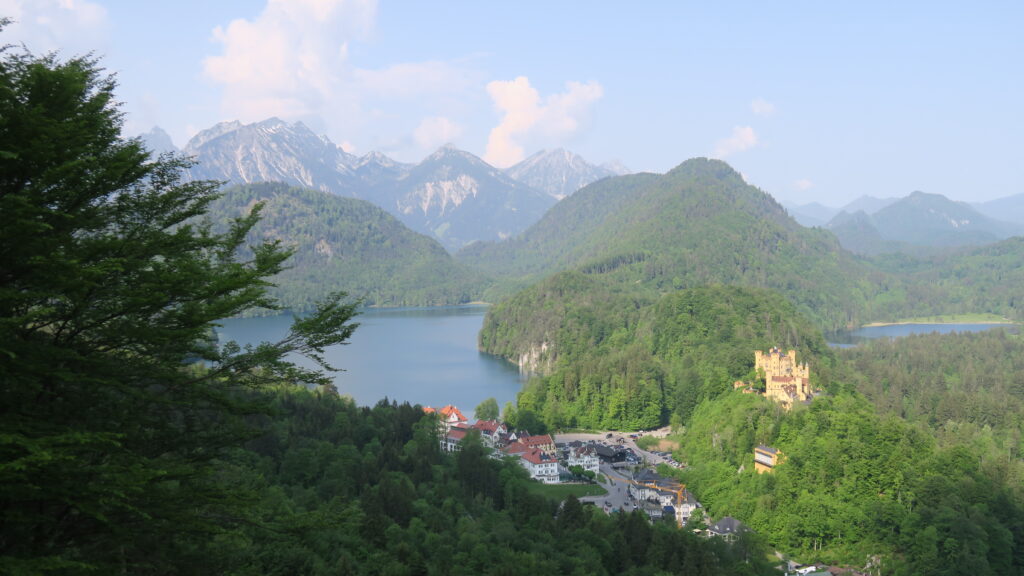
(785, 380)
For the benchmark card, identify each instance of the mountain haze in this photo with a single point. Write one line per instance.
(557, 172)
(157, 141)
(919, 220)
(1008, 209)
(810, 214)
(867, 204)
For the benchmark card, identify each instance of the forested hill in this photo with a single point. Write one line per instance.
(350, 245)
(698, 224)
(608, 358)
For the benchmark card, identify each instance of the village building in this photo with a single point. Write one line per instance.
(543, 442)
(584, 457)
(493, 433)
(649, 486)
(452, 426)
(542, 466)
(727, 528)
(449, 416)
(766, 458)
(451, 441)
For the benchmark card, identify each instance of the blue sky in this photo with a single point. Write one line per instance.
(811, 101)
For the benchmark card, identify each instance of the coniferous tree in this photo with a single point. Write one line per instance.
(115, 404)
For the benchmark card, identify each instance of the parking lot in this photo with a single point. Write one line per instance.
(618, 497)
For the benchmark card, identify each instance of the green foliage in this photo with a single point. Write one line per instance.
(854, 484)
(989, 279)
(968, 388)
(115, 406)
(610, 360)
(348, 245)
(698, 224)
(487, 410)
(343, 489)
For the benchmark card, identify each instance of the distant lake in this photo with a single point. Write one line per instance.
(427, 356)
(852, 338)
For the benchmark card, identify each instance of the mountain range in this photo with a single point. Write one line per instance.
(451, 195)
(919, 220)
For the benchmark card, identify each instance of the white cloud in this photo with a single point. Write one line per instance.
(73, 27)
(292, 61)
(436, 131)
(804, 184)
(526, 117)
(762, 107)
(412, 80)
(743, 138)
(287, 61)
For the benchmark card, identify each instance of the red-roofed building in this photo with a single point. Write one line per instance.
(449, 419)
(540, 465)
(542, 442)
(452, 440)
(452, 415)
(516, 448)
(492, 432)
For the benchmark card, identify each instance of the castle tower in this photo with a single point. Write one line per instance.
(785, 380)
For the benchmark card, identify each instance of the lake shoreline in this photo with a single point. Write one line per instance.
(950, 323)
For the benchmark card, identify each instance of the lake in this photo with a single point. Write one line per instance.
(854, 337)
(424, 356)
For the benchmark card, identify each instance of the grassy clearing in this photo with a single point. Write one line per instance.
(560, 492)
(949, 319)
(654, 443)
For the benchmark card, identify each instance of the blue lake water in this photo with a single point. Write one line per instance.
(424, 356)
(854, 337)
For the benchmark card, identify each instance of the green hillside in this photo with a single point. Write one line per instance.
(698, 224)
(350, 245)
(855, 484)
(977, 280)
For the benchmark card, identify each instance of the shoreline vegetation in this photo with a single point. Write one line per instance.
(946, 319)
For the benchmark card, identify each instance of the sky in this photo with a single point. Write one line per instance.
(811, 101)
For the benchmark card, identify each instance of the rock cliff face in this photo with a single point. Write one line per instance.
(537, 359)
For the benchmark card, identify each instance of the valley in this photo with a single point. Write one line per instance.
(734, 290)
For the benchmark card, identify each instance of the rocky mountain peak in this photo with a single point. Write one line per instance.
(557, 172)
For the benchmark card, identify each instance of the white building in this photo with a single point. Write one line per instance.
(451, 441)
(585, 457)
(540, 465)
